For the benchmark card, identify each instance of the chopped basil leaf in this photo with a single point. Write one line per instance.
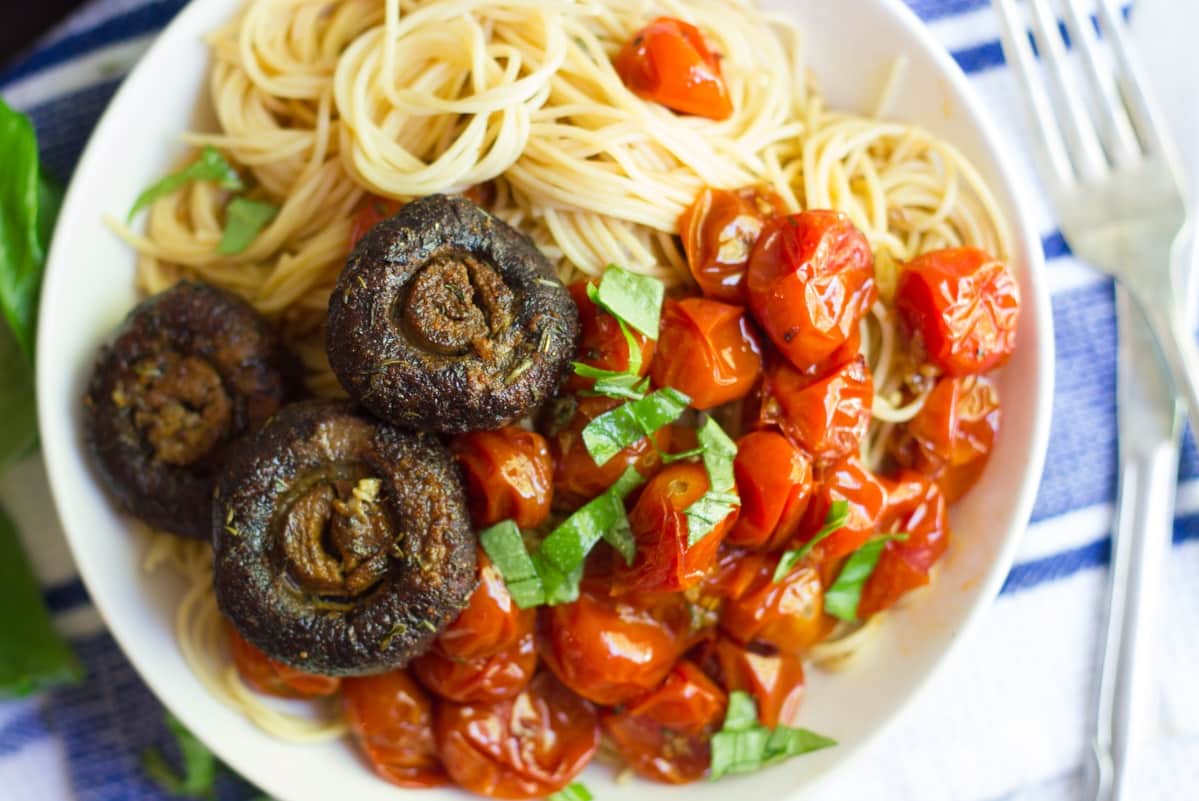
(603, 517)
(209, 166)
(572, 792)
(721, 498)
(198, 779)
(627, 386)
(744, 745)
(244, 218)
(506, 548)
(560, 586)
(841, 600)
(838, 513)
(613, 431)
(668, 458)
(632, 298)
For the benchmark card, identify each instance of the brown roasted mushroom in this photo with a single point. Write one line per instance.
(188, 372)
(448, 319)
(343, 544)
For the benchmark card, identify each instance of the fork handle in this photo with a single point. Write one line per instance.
(1178, 349)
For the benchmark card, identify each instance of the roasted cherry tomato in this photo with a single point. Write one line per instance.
(866, 495)
(669, 62)
(736, 571)
(951, 437)
(371, 211)
(664, 736)
(665, 560)
(577, 478)
(714, 354)
(961, 306)
(483, 680)
(917, 507)
(719, 230)
(267, 676)
(509, 475)
(810, 280)
(392, 720)
(828, 415)
(491, 623)
(774, 678)
(603, 344)
(774, 480)
(787, 614)
(612, 650)
(530, 746)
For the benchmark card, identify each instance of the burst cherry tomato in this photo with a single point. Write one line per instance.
(736, 571)
(577, 478)
(719, 230)
(774, 480)
(664, 736)
(265, 675)
(392, 720)
(371, 211)
(826, 416)
(669, 62)
(491, 623)
(509, 474)
(850, 481)
(787, 614)
(961, 306)
(530, 746)
(611, 650)
(950, 438)
(482, 680)
(810, 280)
(917, 507)
(603, 344)
(665, 560)
(713, 352)
(775, 679)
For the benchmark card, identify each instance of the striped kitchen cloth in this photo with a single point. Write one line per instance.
(1007, 717)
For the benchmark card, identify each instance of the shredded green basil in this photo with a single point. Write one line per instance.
(209, 166)
(625, 386)
(718, 451)
(631, 298)
(572, 792)
(244, 219)
(615, 430)
(506, 549)
(838, 513)
(743, 745)
(841, 600)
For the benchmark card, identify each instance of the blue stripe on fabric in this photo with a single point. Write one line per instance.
(149, 18)
(66, 596)
(931, 10)
(64, 124)
(989, 55)
(1055, 246)
(1027, 575)
(24, 728)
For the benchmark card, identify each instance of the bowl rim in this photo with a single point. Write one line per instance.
(1027, 246)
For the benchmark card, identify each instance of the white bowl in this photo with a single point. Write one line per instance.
(89, 288)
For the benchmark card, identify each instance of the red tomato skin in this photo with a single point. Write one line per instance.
(509, 475)
(827, 416)
(482, 680)
(665, 559)
(371, 211)
(530, 746)
(850, 481)
(810, 280)
(774, 481)
(775, 679)
(669, 62)
(577, 478)
(602, 344)
(714, 353)
(719, 230)
(961, 307)
(917, 507)
(269, 677)
(787, 615)
(951, 437)
(491, 623)
(392, 721)
(665, 735)
(610, 650)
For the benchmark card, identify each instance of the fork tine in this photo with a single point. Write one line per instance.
(1016, 47)
(1129, 76)
(1081, 139)
(1119, 138)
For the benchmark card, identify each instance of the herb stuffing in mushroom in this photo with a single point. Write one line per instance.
(342, 544)
(446, 318)
(188, 372)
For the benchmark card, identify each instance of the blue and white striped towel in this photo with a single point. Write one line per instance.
(1006, 720)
